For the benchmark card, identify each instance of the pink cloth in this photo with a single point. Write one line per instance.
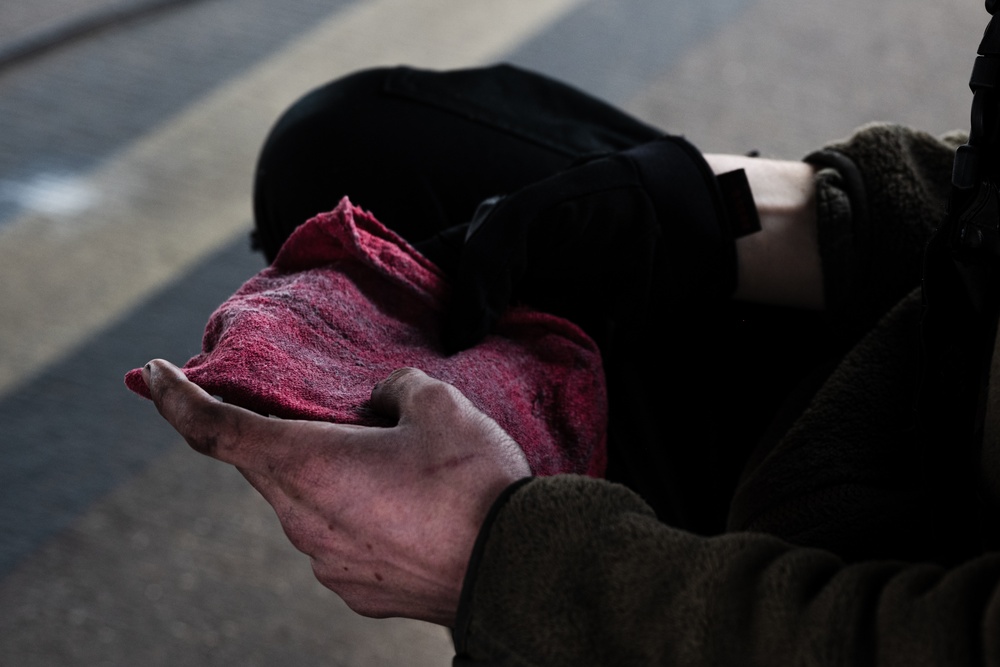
(348, 301)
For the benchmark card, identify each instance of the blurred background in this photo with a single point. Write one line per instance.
(128, 133)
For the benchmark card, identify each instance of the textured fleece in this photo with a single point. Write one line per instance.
(848, 474)
(347, 301)
(881, 193)
(579, 572)
(832, 530)
(845, 476)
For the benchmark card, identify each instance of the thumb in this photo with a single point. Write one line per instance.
(409, 395)
(225, 432)
(391, 395)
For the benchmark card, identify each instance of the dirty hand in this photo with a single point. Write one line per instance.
(388, 516)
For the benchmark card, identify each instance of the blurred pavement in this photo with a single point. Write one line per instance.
(128, 133)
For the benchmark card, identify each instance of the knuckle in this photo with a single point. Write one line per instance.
(438, 401)
(362, 602)
(398, 379)
(434, 394)
(325, 575)
(358, 597)
(390, 393)
(296, 529)
(301, 542)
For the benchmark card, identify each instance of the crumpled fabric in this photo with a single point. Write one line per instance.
(347, 301)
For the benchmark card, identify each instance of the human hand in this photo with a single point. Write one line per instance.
(388, 516)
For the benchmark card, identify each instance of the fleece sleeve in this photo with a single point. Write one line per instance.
(880, 195)
(574, 571)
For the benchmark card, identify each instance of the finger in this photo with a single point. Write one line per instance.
(388, 393)
(224, 432)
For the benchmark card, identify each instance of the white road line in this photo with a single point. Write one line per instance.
(183, 191)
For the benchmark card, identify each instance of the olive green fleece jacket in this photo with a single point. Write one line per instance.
(834, 555)
(579, 572)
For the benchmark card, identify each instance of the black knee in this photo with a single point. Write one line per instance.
(421, 149)
(313, 156)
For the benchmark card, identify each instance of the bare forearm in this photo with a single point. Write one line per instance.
(779, 265)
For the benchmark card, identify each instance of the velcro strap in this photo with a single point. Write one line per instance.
(738, 200)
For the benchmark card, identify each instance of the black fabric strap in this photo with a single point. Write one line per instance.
(699, 255)
(738, 199)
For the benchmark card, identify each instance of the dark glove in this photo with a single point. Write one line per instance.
(602, 243)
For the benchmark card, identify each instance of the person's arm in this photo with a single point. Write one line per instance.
(618, 239)
(780, 264)
(387, 516)
(575, 571)
(842, 231)
(569, 571)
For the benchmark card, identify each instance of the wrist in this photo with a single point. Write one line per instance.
(780, 264)
(449, 565)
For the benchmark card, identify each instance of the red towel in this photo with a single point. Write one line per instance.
(347, 301)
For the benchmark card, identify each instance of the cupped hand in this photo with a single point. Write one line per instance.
(388, 516)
